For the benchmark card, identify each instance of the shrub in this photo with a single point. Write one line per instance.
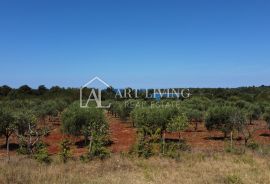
(253, 145)
(97, 147)
(65, 152)
(173, 150)
(233, 179)
(143, 147)
(178, 124)
(23, 146)
(41, 153)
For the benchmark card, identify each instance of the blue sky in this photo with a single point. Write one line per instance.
(150, 43)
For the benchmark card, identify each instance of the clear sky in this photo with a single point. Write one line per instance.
(135, 43)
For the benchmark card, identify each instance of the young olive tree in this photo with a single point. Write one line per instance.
(65, 152)
(89, 122)
(178, 124)
(152, 124)
(253, 113)
(27, 130)
(239, 123)
(7, 125)
(224, 118)
(195, 116)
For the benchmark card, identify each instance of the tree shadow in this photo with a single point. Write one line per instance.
(265, 134)
(194, 131)
(215, 138)
(12, 146)
(174, 140)
(82, 143)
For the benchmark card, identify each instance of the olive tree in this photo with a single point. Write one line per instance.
(195, 116)
(152, 124)
(253, 113)
(224, 118)
(153, 118)
(89, 122)
(27, 130)
(7, 125)
(178, 124)
(266, 117)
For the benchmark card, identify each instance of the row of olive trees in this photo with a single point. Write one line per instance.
(21, 118)
(235, 118)
(122, 109)
(224, 116)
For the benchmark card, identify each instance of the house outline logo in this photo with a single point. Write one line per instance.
(97, 97)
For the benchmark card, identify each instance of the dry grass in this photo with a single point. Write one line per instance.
(192, 168)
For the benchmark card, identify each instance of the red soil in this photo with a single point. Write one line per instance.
(205, 140)
(123, 136)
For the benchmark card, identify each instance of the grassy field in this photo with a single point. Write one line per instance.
(191, 168)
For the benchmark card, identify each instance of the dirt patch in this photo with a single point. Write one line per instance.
(205, 140)
(122, 134)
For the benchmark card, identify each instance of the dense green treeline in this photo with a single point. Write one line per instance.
(250, 94)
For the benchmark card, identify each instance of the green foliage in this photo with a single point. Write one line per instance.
(23, 149)
(24, 118)
(121, 109)
(253, 145)
(235, 150)
(225, 119)
(41, 153)
(242, 104)
(153, 118)
(65, 152)
(7, 122)
(194, 115)
(143, 148)
(253, 112)
(83, 121)
(89, 122)
(173, 150)
(233, 179)
(98, 147)
(178, 123)
(266, 117)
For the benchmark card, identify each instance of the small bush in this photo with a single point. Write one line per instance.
(98, 148)
(41, 153)
(173, 150)
(253, 145)
(235, 150)
(144, 147)
(22, 147)
(65, 153)
(233, 179)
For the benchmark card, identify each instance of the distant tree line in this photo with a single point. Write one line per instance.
(249, 94)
